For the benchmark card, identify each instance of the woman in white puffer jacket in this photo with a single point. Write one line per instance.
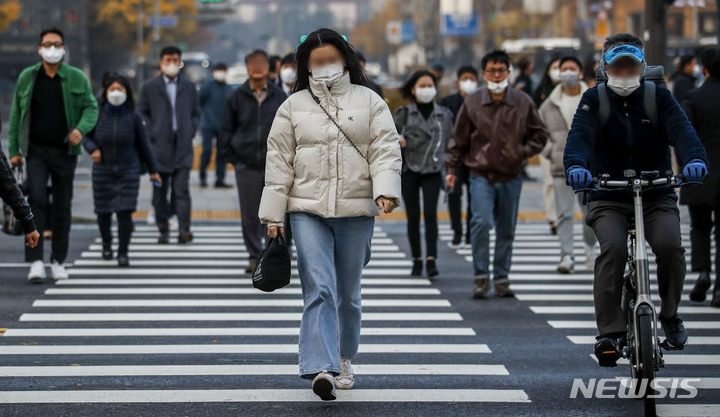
(333, 163)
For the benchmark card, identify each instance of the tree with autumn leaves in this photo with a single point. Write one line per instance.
(9, 12)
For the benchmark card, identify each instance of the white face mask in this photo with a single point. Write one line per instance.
(555, 75)
(498, 88)
(329, 73)
(570, 79)
(117, 97)
(623, 86)
(52, 55)
(425, 95)
(468, 86)
(288, 75)
(220, 76)
(171, 70)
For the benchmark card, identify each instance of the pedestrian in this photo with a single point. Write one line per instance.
(247, 119)
(11, 194)
(118, 145)
(274, 72)
(557, 113)
(627, 142)
(497, 130)
(425, 129)
(288, 74)
(524, 81)
(334, 163)
(704, 201)
(467, 83)
(437, 68)
(53, 108)
(213, 95)
(684, 78)
(169, 103)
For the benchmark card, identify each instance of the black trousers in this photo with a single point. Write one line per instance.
(43, 163)
(455, 202)
(610, 221)
(250, 183)
(430, 184)
(179, 181)
(702, 220)
(125, 227)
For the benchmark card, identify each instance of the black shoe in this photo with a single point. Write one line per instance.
(716, 299)
(203, 183)
(607, 350)
(699, 291)
(222, 185)
(457, 240)
(675, 333)
(417, 268)
(107, 253)
(123, 260)
(164, 238)
(553, 229)
(431, 268)
(186, 237)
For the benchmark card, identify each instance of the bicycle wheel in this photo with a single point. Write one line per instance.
(645, 372)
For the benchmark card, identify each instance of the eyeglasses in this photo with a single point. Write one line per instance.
(501, 71)
(49, 44)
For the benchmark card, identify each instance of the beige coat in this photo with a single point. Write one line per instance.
(312, 168)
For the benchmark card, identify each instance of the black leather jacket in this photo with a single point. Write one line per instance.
(10, 193)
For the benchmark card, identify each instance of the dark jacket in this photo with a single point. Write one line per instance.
(682, 83)
(495, 138)
(453, 103)
(246, 125)
(213, 96)
(524, 82)
(120, 135)
(629, 140)
(155, 107)
(704, 113)
(12, 196)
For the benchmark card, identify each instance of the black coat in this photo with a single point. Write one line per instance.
(629, 140)
(246, 125)
(701, 108)
(682, 83)
(12, 196)
(120, 135)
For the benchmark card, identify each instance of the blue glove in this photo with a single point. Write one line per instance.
(579, 177)
(695, 171)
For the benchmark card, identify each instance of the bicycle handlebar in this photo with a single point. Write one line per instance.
(604, 183)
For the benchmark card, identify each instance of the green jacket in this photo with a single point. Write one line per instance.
(81, 108)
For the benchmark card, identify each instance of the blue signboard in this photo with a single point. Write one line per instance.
(164, 22)
(459, 24)
(407, 32)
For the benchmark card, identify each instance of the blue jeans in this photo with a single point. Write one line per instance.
(207, 145)
(331, 256)
(493, 205)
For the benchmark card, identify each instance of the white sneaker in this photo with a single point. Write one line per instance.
(346, 379)
(566, 265)
(37, 271)
(58, 271)
(173, 222)
(324, 386)
(590, 256)
(151, 216)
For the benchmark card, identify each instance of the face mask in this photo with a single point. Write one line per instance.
(288, 76)
(570, 79)
(623, 86)
(52, 55)
(555, 75)
(171, 70)
(468, 86)
(498, 88)
(329, 73)
(117, 97)
(220, 76)
(425, 95)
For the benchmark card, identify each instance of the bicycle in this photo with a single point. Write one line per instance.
(641, 345)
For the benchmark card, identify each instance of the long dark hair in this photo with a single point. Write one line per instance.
(323, 37)
(123, 81)
(406, 89)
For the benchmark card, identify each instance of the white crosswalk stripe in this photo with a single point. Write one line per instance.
(566, 302)
(184, 307)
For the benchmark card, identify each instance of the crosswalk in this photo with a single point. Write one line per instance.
(184, 325)
(566, 302)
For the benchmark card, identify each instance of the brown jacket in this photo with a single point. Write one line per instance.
(494, 139)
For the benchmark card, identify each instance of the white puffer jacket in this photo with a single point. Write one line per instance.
(311, 167)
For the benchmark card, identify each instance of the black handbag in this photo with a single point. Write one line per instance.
(10, 224)
(272, 270)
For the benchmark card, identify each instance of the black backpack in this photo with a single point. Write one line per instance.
(653, 76)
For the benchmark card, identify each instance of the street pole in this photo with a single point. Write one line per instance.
(656, 31)
(140, 67)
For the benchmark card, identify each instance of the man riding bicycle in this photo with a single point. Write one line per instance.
(628, 139)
